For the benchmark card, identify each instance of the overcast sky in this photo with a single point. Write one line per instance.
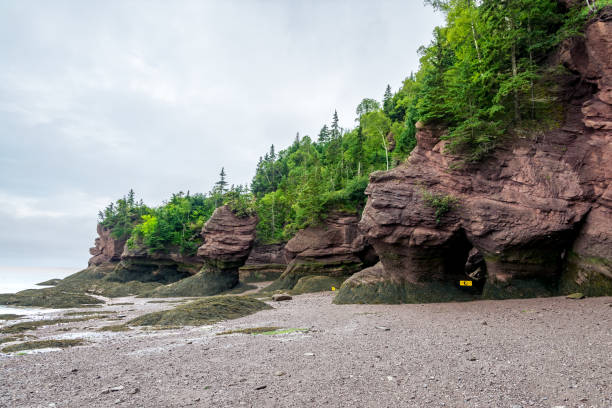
(97, 97)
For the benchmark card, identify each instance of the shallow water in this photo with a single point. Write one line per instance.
(14, 279)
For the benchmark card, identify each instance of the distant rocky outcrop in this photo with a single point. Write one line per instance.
(106, 248)
(539, 210)
(167, 266)
(334, 248)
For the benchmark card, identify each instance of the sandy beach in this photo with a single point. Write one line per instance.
(547, 352)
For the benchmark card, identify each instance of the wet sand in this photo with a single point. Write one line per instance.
(548, 352)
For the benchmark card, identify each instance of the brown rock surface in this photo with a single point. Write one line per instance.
(534, 204)
(334, 248)
(228, 240)
(106, 248)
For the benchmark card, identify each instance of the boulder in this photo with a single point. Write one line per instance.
(538, 210)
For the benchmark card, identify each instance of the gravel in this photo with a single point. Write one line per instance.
(549, 352)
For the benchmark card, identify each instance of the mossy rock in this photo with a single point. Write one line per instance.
(377, 285)
(310, 284)
(299, 269)
(144, 272)
(55, 297)
(586, 275)
(261, 273)
(103, 287)
(518, 289)
(380, 292)
(50, 282)
(203, 312)
(207, 282)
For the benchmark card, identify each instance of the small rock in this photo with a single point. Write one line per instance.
(115, 389)
(279, 373)
(74, 370)
(576, 295)
(279, 297)
(516, 406)
(383, 328)
(52, 404)
(484, 323)
(197, 399)
(472, 358)
(134, 391)
(309, 354)
(390, 378)
(118, 401)
(261, 387)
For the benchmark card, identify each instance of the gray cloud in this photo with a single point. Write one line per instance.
(100, 97)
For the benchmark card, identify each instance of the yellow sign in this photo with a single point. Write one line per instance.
(333, 288)
(465, 283)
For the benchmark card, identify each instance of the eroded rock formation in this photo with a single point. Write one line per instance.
(335, 248)
(228, 240)
(265, 263)
(106, 248)
(539, 209)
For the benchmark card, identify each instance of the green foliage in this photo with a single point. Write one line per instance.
(121, 216)
(481, 74)
(240, 200)
(441, 203)
(178, 223)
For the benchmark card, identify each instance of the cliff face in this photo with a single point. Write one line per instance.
(265, 263)
(106, 248)
(539, 210)
(336, 248)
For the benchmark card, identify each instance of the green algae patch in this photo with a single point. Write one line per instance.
(261, 273)
(202, 312)
(114, 328)
(40, 344)
(250, 330)
(587, 275)
(300, 269)
(90, 313)
(310, 284)
(379, 292)
(25, 326)
(395, 292)
(576, 295)
(204, 283)
(50, 282)
(55, 298)
(10, 316)
(266, 331)
(517, 289)
(20, 337)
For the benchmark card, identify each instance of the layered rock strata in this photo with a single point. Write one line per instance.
(336, 248)
(539, 210)
(106, 249)
(265, 263)
(228, 240)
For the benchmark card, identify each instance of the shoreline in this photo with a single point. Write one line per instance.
(540, 352)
